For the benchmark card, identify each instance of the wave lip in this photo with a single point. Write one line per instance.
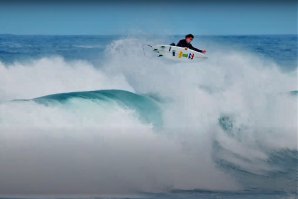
(146, 107)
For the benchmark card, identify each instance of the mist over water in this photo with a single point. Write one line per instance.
(147, 125)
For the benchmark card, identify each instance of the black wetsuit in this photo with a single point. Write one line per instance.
(183, 43)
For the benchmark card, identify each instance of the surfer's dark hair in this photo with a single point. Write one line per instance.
(189, 35)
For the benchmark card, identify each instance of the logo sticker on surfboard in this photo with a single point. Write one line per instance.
(186, 55)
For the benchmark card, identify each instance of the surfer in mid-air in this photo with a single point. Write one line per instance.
(187, 43)
(183, 51)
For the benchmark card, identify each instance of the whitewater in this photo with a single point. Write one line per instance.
(130, 123)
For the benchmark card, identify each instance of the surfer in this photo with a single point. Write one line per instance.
(187, 43)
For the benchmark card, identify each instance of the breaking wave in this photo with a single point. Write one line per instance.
(138, 123)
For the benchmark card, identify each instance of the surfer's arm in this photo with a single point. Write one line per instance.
(196, 49)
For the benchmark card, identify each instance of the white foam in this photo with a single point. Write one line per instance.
(53, 75)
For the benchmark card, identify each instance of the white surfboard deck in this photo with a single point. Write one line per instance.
(178, 53)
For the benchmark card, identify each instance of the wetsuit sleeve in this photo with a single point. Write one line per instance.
(195, 49)
(180, 43)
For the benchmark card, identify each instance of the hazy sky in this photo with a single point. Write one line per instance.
(153, 17)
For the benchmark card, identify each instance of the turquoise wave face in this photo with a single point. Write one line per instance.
(146, 107)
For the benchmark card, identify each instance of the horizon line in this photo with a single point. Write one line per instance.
(246, 34)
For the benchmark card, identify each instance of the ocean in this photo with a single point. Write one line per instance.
(102, 117)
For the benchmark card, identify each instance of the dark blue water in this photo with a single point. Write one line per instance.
(16, 48)
(176, 195)
(280, 48)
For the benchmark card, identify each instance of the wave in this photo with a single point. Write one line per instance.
(263, 169)
(148, 125)
(146, 107)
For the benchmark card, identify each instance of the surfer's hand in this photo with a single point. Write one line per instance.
(204, 51)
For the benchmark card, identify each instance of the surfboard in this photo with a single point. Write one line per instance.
(177, 53)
